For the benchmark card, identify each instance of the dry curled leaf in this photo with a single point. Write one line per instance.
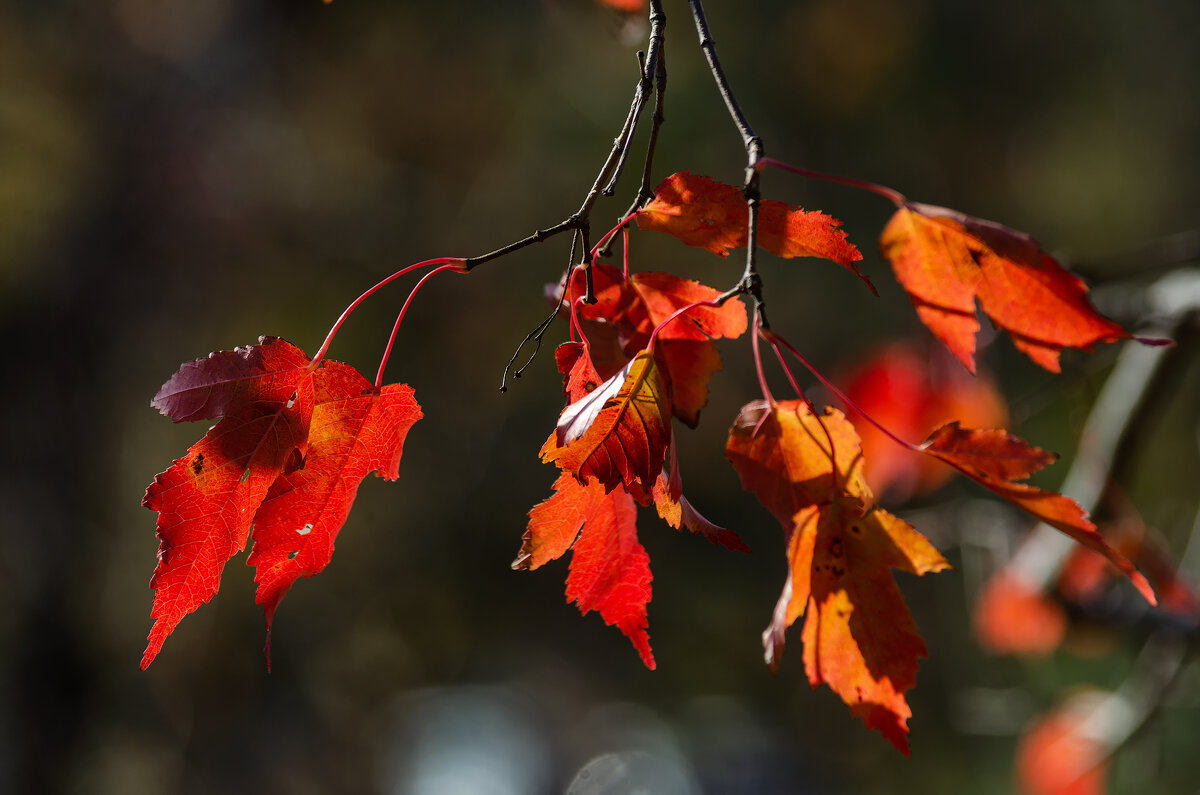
(996, 459)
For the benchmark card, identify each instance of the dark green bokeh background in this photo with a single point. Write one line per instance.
(179, 177)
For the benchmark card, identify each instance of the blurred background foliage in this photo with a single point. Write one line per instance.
(180, 176)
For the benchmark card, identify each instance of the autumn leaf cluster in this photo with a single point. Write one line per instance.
(296, 437)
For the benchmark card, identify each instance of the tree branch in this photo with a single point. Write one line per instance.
(751, 280)
(753, 144)
(537, 237)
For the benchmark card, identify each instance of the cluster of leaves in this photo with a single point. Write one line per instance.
(296, 437)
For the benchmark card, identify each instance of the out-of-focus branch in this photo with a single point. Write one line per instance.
(1170, 303)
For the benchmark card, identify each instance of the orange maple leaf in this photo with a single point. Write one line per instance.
(946, 260)
(859, 637)
(995, 459)
(707, 214)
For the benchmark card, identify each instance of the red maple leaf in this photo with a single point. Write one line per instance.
(355, 430)
(262, 449)
(610, 570)
(708, 214)
(946, 260)
(207, 499)
(859, 637)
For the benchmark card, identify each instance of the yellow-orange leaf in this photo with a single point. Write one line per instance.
(946, 260)
(859, 637)
(783, 456)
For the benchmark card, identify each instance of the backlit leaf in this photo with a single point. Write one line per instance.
(292, 446)
(609, 571)
(206, 501)
(859, 637)
(708, 214)
(995, 458)
(783, 456)
(618, 433)
(946, 260)
(355, 431)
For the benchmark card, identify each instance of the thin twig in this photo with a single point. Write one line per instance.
(606, 179)
(540, 331)
(607, 175)
(652, 69)
(658, 24)
(639, 103)
(535, 336)
(537, 237)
